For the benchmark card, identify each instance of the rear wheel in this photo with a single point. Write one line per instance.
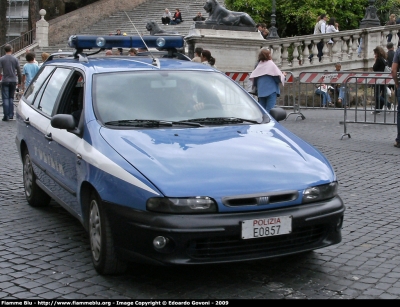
(35, 196)
(101, 240)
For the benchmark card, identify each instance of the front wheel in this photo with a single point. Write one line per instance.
(35, 196)
(101, 240)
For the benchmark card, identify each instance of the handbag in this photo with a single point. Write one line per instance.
(251, 87)
(388, 91)
(387, 68)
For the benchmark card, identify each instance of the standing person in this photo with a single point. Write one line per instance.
(380, 90)
(262, 29)
(166, 18)
(199, 17)
(332, 27)
(391, 21)
(177, 18)
(119, 49)
(320, 28)
(9, 66)
(398, 32)
(44, 57)
(197, 54)
(267, 78)
(207, 58)
(395, 75)
(30, 70)
(132, 52)
(390, 53)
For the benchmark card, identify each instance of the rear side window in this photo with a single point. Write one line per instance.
(35, 86)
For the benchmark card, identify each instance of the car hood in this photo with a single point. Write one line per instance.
(221, 161)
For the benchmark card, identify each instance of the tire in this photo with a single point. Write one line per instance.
(101, 241)
(35, 196)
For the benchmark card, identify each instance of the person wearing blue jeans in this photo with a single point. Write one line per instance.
(395, 75)
(9, 65)
(267, 77)
(323, 92)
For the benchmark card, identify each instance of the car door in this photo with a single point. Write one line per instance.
(62, 146)
(32, 121)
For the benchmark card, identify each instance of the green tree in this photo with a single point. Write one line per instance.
(300, 16)
(33, 15)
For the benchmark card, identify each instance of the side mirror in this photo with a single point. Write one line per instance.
(63, 121)
(278, 114)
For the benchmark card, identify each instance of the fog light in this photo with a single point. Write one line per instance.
(160, 242)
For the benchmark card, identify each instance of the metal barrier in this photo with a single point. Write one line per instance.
(361, 92)
(375, 89)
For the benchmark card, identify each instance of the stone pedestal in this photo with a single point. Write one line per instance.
(42, 30)
(235, 49)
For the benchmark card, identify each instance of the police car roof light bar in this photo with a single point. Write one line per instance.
(109, 42)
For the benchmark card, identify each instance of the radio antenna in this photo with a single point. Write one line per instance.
(154, 59)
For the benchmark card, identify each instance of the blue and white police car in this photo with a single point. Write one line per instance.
(168, 161)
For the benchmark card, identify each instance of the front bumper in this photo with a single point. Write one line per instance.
(216, 238)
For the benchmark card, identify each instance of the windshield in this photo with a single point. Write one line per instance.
(170, 96)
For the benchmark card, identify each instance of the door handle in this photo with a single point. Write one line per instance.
(79, 157)
(48, 137)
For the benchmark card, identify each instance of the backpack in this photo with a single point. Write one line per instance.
(317, 28)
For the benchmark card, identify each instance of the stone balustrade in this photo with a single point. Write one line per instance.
(292, 53)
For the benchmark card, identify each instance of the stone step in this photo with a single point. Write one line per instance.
(150, 10)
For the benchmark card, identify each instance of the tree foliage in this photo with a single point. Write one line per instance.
(299, 16)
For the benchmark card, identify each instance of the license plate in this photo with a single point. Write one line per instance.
(268, 227)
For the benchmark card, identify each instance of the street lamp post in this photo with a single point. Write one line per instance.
(273, 33)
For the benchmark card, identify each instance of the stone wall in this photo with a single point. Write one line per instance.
(61, 28)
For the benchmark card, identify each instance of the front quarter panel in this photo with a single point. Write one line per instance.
(113, 177)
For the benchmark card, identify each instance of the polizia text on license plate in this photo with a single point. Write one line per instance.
(268, 227)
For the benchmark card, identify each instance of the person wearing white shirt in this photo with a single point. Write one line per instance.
(166, 18)
(320, 28)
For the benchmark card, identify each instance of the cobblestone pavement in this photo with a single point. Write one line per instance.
(44, 253)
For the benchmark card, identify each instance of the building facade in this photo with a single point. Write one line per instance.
(17, 18)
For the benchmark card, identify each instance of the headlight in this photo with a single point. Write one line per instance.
(192, 205)
(320, 192)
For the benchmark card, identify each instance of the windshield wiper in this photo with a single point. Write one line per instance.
(150, 123)
(222, 120)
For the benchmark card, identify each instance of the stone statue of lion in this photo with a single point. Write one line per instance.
(223, 16)
(155, 29)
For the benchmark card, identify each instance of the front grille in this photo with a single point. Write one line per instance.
(260, 200)
(223, 247)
